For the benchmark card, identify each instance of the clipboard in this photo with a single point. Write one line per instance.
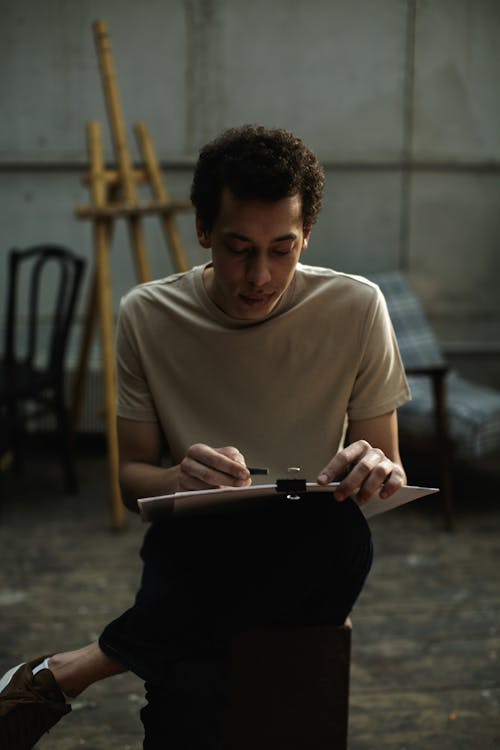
(181, 504)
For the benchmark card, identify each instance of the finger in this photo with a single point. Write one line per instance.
(375, 481)
(372, 469)
(341, 463)
(236, 468)
(233, 453)
(194, 475)
(393, 483)
(384, 479)
(371, 463)
(205, 467)
(227, 460)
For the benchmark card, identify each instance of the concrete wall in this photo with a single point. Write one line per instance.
(399, 98)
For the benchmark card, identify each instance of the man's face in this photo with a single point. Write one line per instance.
(255, 248)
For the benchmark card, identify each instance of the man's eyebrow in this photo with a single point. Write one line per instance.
(244, 238)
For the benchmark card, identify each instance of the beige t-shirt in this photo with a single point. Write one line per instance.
(281, 390)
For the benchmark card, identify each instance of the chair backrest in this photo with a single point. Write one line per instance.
(417, 343)
(43, 286)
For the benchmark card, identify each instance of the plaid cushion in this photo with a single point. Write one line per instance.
(417, 343)
(473, 414)
(473, 409)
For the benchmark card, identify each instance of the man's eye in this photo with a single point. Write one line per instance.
(238, 250)
(283, 250)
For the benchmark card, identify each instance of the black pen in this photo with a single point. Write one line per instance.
(254, 470)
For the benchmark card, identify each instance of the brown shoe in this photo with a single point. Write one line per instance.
(30, 705)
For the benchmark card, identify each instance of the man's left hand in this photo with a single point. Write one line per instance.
(364, 471)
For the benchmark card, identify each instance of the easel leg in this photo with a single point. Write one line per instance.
(138, 242)
(105, 305)
(160, 192)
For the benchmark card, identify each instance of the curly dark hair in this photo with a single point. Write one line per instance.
(256, 163)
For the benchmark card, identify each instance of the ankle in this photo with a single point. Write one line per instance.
(64, 672)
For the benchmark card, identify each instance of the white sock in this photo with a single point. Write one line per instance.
(45, 665)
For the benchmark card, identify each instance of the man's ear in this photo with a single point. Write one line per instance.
(202, 234)
(305, 240)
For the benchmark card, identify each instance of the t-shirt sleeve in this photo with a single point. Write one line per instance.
(380, 384)
(134, 396)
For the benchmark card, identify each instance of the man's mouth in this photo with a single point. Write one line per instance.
(255, 300)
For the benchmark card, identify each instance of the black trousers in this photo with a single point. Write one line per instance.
(206, 578)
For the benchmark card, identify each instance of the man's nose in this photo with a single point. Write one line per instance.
(258, 272)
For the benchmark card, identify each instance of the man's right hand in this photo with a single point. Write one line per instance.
(204, 468)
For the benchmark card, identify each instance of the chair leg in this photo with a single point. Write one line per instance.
(16, 429)
(445, 449)
(447, 486)
(66, 442)
(6, 452)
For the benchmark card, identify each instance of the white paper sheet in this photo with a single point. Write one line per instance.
(188, 503)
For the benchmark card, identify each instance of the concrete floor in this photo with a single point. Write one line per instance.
(425, 669)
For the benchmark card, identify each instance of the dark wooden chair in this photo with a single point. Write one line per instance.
(5, 451)
(290, 689)
(43, 286)
(459, 418)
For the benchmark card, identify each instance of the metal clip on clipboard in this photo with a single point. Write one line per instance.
(293, 487)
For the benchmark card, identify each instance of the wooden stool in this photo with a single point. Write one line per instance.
(289, 689)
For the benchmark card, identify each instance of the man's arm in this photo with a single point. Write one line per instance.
(141, 474)
(370, 463)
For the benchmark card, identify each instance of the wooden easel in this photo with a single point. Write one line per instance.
(114, 195)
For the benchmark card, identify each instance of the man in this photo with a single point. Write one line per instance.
(276, 362)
